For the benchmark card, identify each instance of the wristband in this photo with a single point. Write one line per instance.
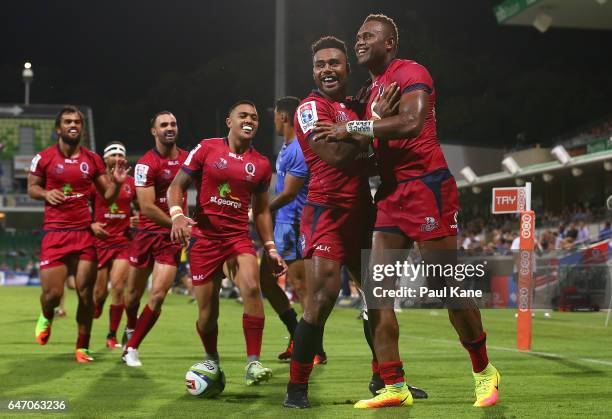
(270, 242)
(175, 216)
(361, 127)
(175, 209)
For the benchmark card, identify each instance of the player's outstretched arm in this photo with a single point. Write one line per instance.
(36, 190)
(181, 224)
(407, 123)
(263, 224)
(292, 186)
(335, 152)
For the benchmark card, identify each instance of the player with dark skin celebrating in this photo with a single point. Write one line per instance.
(229, 174)
(417, 202)
(62, 176)
(336, 219)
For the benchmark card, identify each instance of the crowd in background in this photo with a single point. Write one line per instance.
(573, 228)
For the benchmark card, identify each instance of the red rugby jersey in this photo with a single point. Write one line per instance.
(116, 216)
(154, 170)
(408, 157)
(225, 182)
(74, 177)
(329, 185)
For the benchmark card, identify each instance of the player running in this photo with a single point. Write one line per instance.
(416, 202)
(229, 174)
(152, 250)
(291, 189)
(111, 227)
(62, 176)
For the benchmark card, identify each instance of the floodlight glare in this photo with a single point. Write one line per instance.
(469, 174)
(561, 154)
(542, 22)
(511, 165)
(576, 171)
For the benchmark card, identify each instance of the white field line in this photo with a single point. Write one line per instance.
(501, 348)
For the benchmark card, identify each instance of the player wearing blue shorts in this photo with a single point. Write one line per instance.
(291, 189)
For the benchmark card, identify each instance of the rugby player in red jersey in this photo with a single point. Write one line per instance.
(62, 175)
(152, 250)
(336, 218)
(111, 227)
(416, 202)
(229, 175)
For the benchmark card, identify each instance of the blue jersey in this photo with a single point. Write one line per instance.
(290, 161)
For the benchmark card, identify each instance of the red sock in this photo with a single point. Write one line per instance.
(132, 316)
(98, 310)
(478, 352)
(253, 333)
(115, 312)
(392, 372)
(83, 340)
(375, 368)
(48, 314)
(209, 340)
(145, 323)
(299, 372)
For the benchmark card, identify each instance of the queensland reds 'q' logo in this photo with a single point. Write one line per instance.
(250, 169)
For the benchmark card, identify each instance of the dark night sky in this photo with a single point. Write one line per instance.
(130, 59)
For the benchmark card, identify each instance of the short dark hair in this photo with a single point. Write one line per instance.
(288, 104)
(328, 42)
(67, 109)
(240, 102)
(154, 118)
(379, 17)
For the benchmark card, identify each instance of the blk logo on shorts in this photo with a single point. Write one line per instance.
(323, 248)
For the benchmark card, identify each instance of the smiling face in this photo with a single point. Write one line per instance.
(373, 44)
(69, 130)
(165, 129)
(243, 122)
(330, 72)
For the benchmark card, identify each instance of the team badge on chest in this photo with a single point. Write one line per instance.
(249, 168)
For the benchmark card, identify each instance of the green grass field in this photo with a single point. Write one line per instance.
(569, 374)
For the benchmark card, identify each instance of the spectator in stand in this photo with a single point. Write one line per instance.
(606, 233)
(560, 237)
(583, 234)
(571, 235)
(547, 241)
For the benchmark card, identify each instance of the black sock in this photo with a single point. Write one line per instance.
(320, 350)
(306, 341)
(368, 337)
(289, 318)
